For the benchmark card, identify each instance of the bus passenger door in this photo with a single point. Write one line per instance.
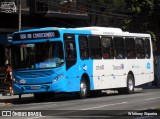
(71, 59)
(70, 50)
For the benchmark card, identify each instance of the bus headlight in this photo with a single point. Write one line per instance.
(58, 77)
(55, 79)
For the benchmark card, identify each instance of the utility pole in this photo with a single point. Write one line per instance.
(19, 15)
(19, 26)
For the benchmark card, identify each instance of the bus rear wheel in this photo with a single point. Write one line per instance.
(130, 84)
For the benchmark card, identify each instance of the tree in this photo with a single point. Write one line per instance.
(146, 17)
(105, 12)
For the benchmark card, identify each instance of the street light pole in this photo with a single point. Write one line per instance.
(19, 15)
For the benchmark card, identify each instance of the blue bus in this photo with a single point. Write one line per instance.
(79, 60)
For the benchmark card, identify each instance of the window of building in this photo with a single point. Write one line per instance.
(130, 48)
(140, 53)
(95, 47)
(119, 50)
(83, 47)
(107, 47)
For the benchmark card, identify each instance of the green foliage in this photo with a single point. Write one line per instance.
(141, 7)
(118, 2)
(143, 13)
(146, 16)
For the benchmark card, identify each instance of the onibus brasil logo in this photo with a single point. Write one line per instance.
(8, 7)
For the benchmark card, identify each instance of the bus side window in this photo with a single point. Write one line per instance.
(119, 47)
(140, 48)
(95, 51)
(130, 48)
(83, 47)
(107, 47)
(70, 50)
(147, 48)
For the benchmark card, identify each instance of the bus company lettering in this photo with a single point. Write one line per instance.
(100, 67)
(121, 67)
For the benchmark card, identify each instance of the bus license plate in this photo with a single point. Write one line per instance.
(35, 87)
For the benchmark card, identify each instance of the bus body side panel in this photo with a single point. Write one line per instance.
(108, 73)
(75, 73)
(113, 73)
(143, 70)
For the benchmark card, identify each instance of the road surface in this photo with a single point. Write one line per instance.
(142, 104)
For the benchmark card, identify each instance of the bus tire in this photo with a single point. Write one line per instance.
(130, 84)
(83, 89)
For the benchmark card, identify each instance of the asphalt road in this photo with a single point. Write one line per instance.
(137, 106)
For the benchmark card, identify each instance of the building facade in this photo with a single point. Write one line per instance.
(39, 13)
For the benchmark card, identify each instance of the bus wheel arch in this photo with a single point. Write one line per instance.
(130, 84)
(84, 86)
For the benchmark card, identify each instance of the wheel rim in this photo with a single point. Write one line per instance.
(130, 84)
(83, 89)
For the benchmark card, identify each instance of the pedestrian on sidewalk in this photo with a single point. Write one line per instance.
(8, 78)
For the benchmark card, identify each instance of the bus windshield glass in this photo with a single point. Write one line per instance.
(37, 55)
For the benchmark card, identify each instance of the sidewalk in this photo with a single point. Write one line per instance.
(8, 100)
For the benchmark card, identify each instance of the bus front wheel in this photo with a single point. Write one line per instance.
(83, 89)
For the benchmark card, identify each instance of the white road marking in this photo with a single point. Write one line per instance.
(152, 98)
(105, 106)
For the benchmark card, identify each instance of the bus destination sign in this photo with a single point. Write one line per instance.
(36, 35)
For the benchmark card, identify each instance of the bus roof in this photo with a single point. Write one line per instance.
(90, 30)
(111, 31)
(65, 30)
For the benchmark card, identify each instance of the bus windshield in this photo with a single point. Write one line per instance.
(37, 55)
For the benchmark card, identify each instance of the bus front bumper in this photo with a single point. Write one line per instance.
(25, 89)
